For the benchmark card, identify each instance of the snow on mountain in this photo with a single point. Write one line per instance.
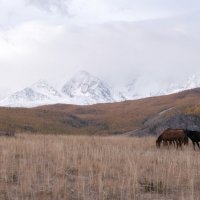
(25, 98)
(130, 90)
(140, 88)
(87, 89)
(40, 93)
(192, 82)
(44, 88)
(172, 88)
(84, 89)
(118, 94)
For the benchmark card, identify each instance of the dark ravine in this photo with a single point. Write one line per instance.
(183, 121)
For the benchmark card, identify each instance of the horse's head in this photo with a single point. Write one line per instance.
(158, 143)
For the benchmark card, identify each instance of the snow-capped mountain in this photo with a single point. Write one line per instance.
(87, 89)
(139, 88)
(25, 98)
(192, 82)
(40, 93)
(84, 89)
(43, 87)
(81, 89)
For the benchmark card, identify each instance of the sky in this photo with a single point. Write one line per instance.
(117, 40)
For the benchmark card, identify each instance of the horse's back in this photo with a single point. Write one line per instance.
(173, 134)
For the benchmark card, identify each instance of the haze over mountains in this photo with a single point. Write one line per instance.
(85, 89)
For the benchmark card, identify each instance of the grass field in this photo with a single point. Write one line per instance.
(43, 167)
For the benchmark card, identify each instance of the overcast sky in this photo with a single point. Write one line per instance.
(114, 39)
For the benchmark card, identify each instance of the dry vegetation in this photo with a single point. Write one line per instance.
(100, 119)
(43, 167)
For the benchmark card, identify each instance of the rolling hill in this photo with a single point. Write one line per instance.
(135, 117)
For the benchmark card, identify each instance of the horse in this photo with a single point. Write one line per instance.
(194, 137)
(172, 136)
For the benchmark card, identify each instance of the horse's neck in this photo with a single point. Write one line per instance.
(188, 133)
(160, 138)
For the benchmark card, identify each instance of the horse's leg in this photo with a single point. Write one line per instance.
(198, 144)
(172, 142)
(177, 144)
(193, 145)
(163, 142)
(181, 145)
(168, 143)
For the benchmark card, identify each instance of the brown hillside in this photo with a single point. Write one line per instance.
(112, 118)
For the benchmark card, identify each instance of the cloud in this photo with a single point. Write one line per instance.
(15, 13)
(81, 12)
(160, 48)
(50, 5)
(117, 40)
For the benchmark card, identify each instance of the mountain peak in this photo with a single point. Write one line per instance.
(83, 76)
(25, 98)
(89, 87)
(83, 73)
(40, 83)
(42, 86)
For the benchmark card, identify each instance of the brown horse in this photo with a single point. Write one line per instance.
(172, 136)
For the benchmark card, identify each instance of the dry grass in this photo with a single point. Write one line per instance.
(42, 167)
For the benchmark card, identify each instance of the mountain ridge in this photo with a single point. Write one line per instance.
(86, 89)
(148, 116)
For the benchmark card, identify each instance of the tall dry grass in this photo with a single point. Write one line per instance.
(80, 167)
